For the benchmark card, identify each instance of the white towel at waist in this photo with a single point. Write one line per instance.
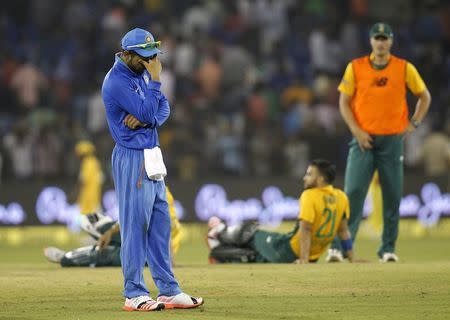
(154, 164)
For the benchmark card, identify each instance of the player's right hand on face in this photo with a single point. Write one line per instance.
(364, 140)
(154, 67)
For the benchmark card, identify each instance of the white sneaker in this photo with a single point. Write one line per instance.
(389, 257)
(91, 223)
(334, 255)
(54, 254)
(142, 303)
(180, 301)
(215, 227)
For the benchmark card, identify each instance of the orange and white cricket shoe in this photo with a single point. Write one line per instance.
(180, 301)
(142, 303)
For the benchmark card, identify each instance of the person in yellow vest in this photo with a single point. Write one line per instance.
(175, 225)
(373, 105)
(106, 253)
(375, 219)
(90, 178)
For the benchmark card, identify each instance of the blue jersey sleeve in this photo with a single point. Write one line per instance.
(161, 115)
(163, 111)
(127, 97)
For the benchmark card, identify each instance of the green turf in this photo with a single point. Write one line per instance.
(416, 288)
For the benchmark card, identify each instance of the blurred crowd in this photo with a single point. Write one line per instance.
(252, 83)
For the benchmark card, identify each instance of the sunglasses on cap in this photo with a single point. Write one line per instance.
(147, 59)
(148, 45)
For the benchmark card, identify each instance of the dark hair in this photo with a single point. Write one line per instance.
(326, 169)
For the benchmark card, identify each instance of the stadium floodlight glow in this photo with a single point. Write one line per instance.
(410, 206)
(12, 214)
(52, 207)
(274, 207)
(15, 213)
(211, 200)
(435, 205)
(179, 210)
(50, 204)
(110, 204)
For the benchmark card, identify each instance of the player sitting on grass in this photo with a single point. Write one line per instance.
(324, 211)
(106, 253)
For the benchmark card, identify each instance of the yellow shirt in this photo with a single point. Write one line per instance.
(324, 208)
(175, 229)
(375, 218)
(91, 179)
(413, 80)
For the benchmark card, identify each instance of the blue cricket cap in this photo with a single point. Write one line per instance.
(142, 42)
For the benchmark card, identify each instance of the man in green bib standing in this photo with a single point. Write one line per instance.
(373, 104)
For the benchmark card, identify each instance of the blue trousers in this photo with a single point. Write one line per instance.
(144, 225)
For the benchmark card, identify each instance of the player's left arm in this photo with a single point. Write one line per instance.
(346, 239)
(105, 239)
(418, 88)
(305, 241)
(161, 116)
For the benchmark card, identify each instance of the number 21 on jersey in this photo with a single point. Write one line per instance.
(326, 228)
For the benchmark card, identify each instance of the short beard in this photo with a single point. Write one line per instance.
(140, 70)
(312, 185)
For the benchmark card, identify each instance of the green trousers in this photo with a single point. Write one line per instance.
(88, 256)
(273, 246)
(386, 156)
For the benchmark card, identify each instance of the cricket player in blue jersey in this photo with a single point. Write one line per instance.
(135, 108)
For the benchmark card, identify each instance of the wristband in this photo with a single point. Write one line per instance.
(415, 123)
(347, 245)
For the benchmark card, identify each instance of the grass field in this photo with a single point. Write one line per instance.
(416, 288)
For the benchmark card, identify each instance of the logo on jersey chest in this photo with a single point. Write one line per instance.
(139, 85)
(146, 79)
(139, 91)
(380, 82)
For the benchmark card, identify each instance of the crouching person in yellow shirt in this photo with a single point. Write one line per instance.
(324, 211)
